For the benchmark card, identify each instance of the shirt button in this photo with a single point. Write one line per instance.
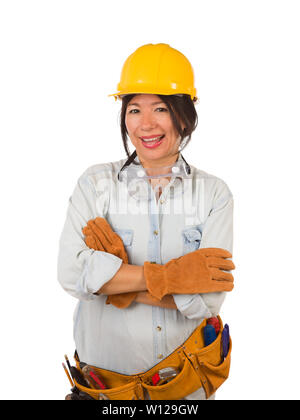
(158, 328)
(155, 232)
(162, 201)
(160, 356)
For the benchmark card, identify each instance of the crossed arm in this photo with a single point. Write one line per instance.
(217, 232)
(133, 282)
(130, 278)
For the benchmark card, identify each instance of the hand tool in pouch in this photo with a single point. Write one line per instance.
(225, 340)
(215, 323)
(67, 373)
(209, 334)
(164, 376)
(92, 378)
(78, 377)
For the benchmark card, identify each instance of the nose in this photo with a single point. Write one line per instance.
(147, 121)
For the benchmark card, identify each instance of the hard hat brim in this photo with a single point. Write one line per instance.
(119, 95)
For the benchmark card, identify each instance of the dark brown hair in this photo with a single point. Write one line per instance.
(181, 108)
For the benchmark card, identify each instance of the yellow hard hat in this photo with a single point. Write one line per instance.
(157, 69)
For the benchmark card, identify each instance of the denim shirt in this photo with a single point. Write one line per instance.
(134, 339)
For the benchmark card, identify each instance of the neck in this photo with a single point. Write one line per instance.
(152, 166)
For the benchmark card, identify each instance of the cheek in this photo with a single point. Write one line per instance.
(127, 124)
(172, 134)
(168, 127)
(130, 126)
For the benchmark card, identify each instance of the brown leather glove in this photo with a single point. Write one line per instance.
(200, 271)
(100, 236)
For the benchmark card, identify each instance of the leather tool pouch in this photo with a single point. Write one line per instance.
(197, 365)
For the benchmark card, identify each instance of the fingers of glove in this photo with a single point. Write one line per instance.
(111, 242)
(91, 243)
(122, 300)
(87, 231)
(103, 224)
(116, 243)
(222, 286)
(123, 255)
(221, 275)
(120, 252)
(106, 243)
(98, 244)
(105, 229)
(93, 238)
(215, 252)
(221, 263)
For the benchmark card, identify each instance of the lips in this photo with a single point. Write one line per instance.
(150, 142)
(154, 137)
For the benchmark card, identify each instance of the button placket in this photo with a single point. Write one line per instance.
(159, 345)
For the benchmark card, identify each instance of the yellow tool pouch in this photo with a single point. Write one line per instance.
(198, 366)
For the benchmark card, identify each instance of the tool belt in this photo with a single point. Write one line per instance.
(198, 366)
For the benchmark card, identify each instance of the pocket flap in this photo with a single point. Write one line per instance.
(126, 235)
(185, 383)
(192, 235)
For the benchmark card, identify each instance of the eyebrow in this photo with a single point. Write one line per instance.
(153, 103)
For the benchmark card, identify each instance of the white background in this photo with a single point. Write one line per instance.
(59, 61)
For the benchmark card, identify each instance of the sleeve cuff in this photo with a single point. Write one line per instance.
(99, 269)
(192, 306)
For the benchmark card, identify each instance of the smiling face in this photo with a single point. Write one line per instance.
(151, 130)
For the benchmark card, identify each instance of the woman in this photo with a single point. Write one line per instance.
(147, 241)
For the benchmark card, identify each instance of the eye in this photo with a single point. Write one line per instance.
(161, 109)
(133, 111)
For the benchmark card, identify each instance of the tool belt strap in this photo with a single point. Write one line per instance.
(198, 366)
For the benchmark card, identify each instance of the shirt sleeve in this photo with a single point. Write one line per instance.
(192, 306)
(81, 270)
(217, 232)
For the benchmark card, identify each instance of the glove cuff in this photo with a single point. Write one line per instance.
(155, 279)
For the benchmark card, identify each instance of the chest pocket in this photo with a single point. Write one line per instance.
(191, 239)
(127, 237)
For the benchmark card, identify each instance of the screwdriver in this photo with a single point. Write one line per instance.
(209, 334)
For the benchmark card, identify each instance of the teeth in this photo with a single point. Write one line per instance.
(154, 138)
